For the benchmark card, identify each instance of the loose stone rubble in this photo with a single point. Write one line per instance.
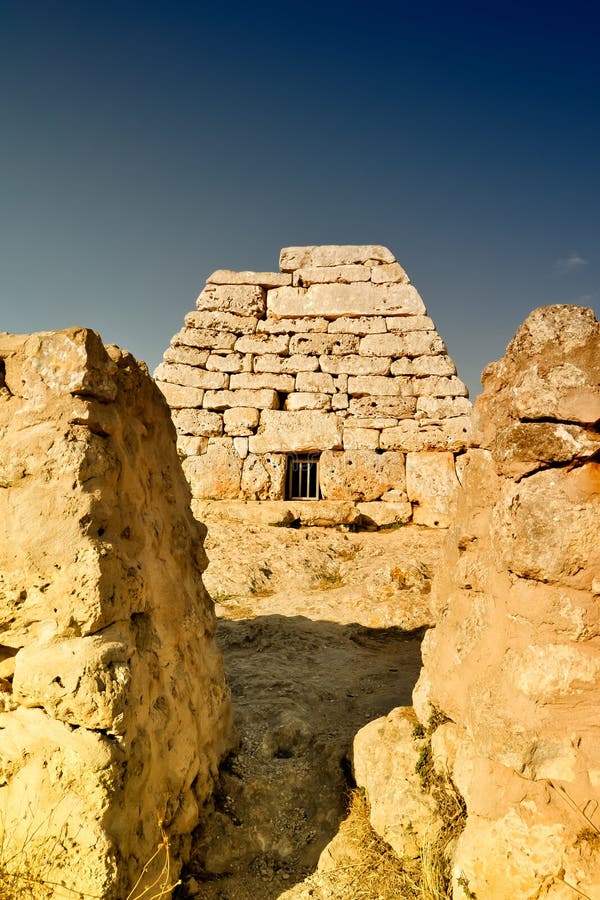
(510, 684)
(113, 707)
(334, 355)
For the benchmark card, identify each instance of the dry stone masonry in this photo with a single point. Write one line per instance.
(330, 371)
(113, 705)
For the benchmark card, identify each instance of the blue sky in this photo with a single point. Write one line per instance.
(143, 146)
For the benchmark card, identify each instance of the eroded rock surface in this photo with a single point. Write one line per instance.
(114, 706)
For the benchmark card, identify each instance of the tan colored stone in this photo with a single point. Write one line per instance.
(315, 381)
(190, 445)
(414, 343)
(340, 401)
(296, 432)
(221, 321)
(190, 376)
(390, 273)
(241, 421)
(361, 438)
(217, 473)
(323, 513)
(336, 344)
(100, 560)
(255, 382)
(405, 324)
(333, 300)
(292, 258)
(412, 435)
(524, 447)
(438, 386)
(307, 400)
(341, 383)
(432, 485)
(263, 279)
(204, 339)
(379, 386)
(263, 477)
(357, 325)
(353, 364)
(262, 399)
(378, 406)
(229, 362)
(263, 343)
(377, 420)
(402, 366)
(240, 445)
(197, 422)
(292, 364)
(442, 407)
(386, 513)
(241, 299)
(189, 356)
(433, 365)
(292, 326)
(181, 396)
(331, 274)
(359, 474)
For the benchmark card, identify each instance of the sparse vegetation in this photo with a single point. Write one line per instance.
(327, 578)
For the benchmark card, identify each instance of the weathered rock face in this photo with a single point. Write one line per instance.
(114, 707)
(514, 660)
(335, 353)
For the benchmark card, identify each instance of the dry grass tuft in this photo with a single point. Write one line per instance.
(327, 578)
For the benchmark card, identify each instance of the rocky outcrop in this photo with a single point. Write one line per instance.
(512, 668)
(330, 357)
(114, 705)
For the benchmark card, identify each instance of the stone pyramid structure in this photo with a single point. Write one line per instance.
(324, 385)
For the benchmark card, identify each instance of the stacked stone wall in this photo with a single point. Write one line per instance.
(334, 354)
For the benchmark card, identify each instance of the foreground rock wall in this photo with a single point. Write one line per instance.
(115, 710)
(513, 664)
(335, 354)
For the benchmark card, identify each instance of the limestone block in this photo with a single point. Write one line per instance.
(433, 365)
(189, 356)
(333, 300)
(442, 407)
(204, 338)
(263, 399)
(375, 421)
(292, 364)
(221, 321)
(330, 274)
(181, 396)
(361, 438)
(190, 376)
(447, 434)
(524, 447)
(337, 344)
(413, 343)
(341, 383)
(263, 279)
(255, 382)
(385, 758)
(352, 364)
(378, 406)
(296, 432)
(357, 325)
(292, 326)
(438, 386)
(380, 386)
(340, 401)
(307, 400)
(263, 477)
(315, 381)
(190, 445)
(324, 513)
(403, 366)
(390, 273)
(359, 474)
(381, 514)
(241, 421)
(240, 445)
(197, 422)
(217, 473)
(318, 513)
(263, 343)
(241, 299)
(404, 324)
(228, 362)
(432, 486)
(292, 258)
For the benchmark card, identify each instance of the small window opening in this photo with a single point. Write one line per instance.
(303, 477)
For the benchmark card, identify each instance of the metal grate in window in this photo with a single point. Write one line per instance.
(303, 477)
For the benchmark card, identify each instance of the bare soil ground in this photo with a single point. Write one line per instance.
(307, 669)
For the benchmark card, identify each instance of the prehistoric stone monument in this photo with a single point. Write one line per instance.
(513, 664)
(113, 707)
(325, 387)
